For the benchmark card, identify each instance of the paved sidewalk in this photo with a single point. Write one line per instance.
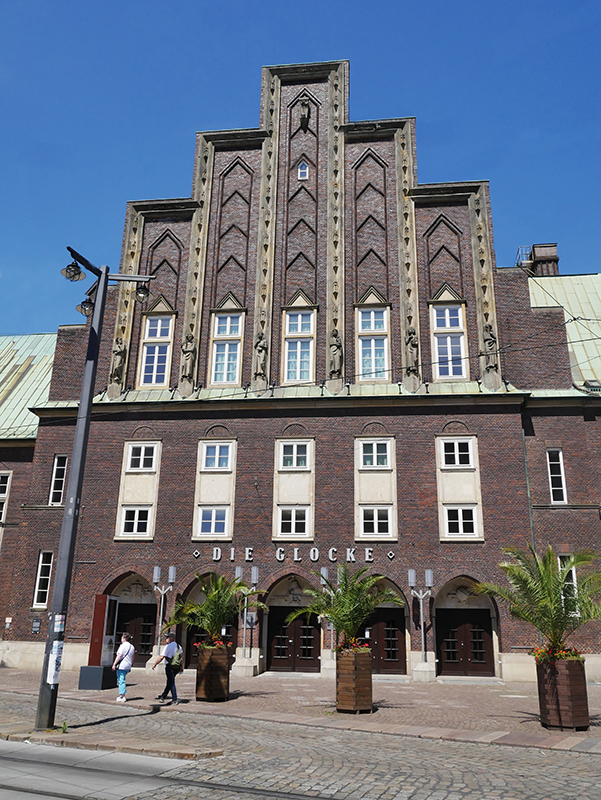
(486, 712)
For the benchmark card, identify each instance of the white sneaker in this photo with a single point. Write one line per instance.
(120, 699)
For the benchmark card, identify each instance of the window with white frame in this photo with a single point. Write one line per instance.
(570, 589)
(450, 359)
(303, 171)
(298, 346)
(227, 336)
(295, 455)
(294, 521)
(456, 453)
(216, 456)
(212, 521)
(57, 484)
(557, 480)
(375, 521)
(373, 344)
(141, 458)
(461, 520)
(4, 490)
(42, 580)
(136, 521)
(375, 454)
(156, 351)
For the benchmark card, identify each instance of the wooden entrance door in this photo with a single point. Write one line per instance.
(464, 642)
(386, 628)
(295, 647)
(196, 636)
(139, 620)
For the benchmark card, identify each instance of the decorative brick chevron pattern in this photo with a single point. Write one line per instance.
(443, 255)
(371, 256)
(410, 328)
(202, 185)
(235, 192)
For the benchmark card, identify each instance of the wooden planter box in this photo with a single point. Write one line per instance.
(353, 681)
(213, 674)
(562, 695)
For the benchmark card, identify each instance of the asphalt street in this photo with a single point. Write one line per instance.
(275, 760)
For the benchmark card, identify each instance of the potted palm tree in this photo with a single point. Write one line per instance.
(348, 606)
(223, 601)
(542, 592)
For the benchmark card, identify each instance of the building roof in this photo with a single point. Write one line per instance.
(25, 372)
(580, 298)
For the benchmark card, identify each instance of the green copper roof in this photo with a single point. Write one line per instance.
(25, 372)
(580, 298)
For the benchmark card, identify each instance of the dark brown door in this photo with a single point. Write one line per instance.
(139, 621)
(464, 642)
(198, 635)
(294, 647)
(386, 628)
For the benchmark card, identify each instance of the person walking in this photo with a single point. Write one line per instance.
(122, 664)
(172, 656)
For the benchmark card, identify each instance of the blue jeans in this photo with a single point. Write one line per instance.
(121, 673)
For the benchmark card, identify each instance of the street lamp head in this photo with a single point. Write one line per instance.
(73, 272)
(412, 578)
(86, 308)
(429, 579)
(142, 294)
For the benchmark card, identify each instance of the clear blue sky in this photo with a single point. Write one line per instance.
(99, 103)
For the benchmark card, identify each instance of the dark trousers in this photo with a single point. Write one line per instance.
(170, 674)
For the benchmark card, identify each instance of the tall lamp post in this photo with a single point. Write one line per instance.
(162, 590)
(422, 671)
(57, 615)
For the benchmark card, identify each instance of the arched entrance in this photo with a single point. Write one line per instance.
(464, 623)
(294, 647)
(386, 632)
(135, 612)
(192, 635)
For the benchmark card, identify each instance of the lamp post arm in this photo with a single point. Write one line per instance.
(64, 562)
(85, 263)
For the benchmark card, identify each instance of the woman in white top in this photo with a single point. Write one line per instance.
(122, 664)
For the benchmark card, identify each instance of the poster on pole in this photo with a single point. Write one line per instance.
(54, 663)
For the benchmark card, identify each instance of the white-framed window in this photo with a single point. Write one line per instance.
(58, 482)
(4, 490)
(375, 522)
(213, 521)
(303, 171)
(557, 480)
(136, 521)
(42, 580)
(141, 457)
(450, 357)
(373, 344)
(294, 522)
(156, 351)
(456, 454)
(570, 588)
(295, 455)
(216, 456)
(227, 348)
(375, 454)
(298, 346)
(461, 521)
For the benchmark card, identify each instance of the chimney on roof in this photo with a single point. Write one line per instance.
(545, 260)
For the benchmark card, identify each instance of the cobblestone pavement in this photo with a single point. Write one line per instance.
(271, 759)
(484, 707)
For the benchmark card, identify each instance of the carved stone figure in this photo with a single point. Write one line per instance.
(336, 355)
(119, 356)
(188, 358)
(412, 349)
(261, 356)
(490, 349)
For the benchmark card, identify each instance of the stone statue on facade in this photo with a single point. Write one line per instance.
(119, 357)
(336, 355)
(491, 360)
(188, 358)
(412, 351)
(261, 356)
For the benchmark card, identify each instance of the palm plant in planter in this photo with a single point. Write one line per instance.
(223, 601)
(542, 592)
(347, 606)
